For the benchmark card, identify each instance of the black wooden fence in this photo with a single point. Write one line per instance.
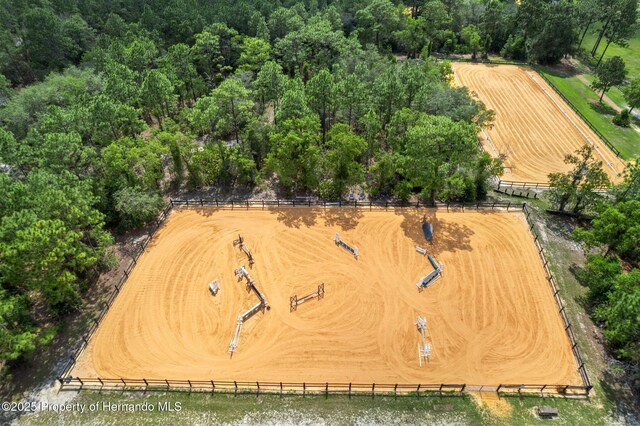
(561, 308)
(123, 279)
(77, 383)
(585, 119)
(266, 204)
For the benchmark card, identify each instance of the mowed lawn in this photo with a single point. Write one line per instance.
(630, 54)
(626, 140)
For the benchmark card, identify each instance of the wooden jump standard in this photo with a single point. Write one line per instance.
(424, 350)
(294, 300)
(433, 275)
(241, 273)
(351, 249)
(244, 248)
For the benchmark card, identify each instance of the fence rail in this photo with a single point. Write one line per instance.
(584, 119)
(76, 383)
(84, 341)
(561, 308)
(519, 184)
(264, 204)
(310, 388)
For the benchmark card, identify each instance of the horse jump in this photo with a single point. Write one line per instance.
(294, 300)
(433, 275)
(241, 273)
(351, 249)
(244, 248)
(214, 287)
(424, 350)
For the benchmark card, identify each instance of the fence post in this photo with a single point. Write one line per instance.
(146, 384)
(395, 391)
(498, 390)
(168, 385)
(258, 392)
(542, 390)
(326, 390)
(373, 390)
(304, 388)
(418, 390)
(124, 384)
(235, 384)
(213, 387)
(280, 388)
(349, 390)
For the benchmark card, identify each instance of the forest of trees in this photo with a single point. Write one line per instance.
(105, 106)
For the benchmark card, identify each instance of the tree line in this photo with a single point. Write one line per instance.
(610, 240)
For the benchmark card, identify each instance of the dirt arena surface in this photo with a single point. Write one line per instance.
(491, 317)
(533, 126)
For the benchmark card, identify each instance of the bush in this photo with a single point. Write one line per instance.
(136, 207)
(622, 119)
(598, 275)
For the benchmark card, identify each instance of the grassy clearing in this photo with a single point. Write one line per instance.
(336, 410)
(630, 54)
(626, 140)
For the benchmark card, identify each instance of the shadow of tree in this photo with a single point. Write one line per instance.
(344, 217)
(602, 108)
(296, 217)
(447, 235)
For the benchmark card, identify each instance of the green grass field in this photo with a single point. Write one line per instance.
(199, 408)
(630, 54)
(626, 140)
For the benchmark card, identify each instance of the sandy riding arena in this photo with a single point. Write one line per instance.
(491, 317)
(533, 126)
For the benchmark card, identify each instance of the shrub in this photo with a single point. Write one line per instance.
(622, 119)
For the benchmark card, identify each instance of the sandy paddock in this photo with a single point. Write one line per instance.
(534, 127)
(491, 318)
